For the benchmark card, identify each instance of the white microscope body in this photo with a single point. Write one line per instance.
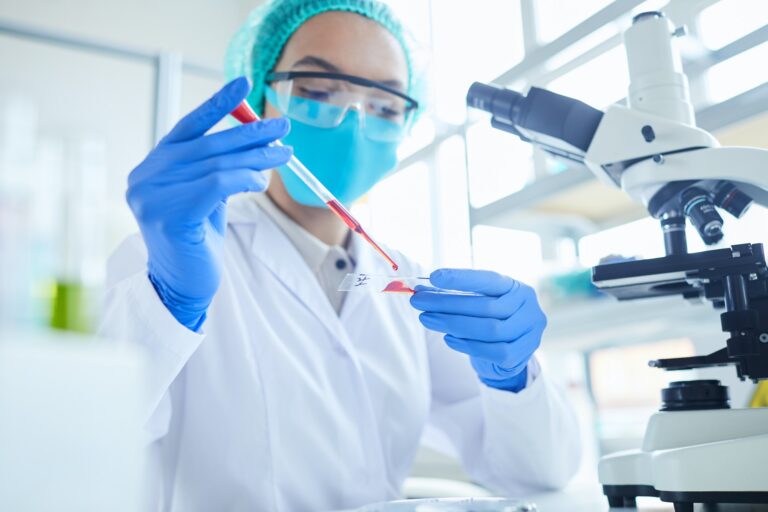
(705, 455)
(697, 450)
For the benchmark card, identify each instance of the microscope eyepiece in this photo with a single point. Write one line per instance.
(501, 103)
(539, 116)
(731, 199)
(698, 207)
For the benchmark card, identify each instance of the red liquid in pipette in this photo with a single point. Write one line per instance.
(337, 208)
(245, 114)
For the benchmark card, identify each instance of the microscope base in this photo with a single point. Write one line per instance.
(710, 456)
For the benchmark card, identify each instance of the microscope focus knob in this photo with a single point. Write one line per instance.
(648, 134)
(694, 395)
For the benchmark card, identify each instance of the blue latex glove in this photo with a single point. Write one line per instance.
(499, 329)
(178, 195)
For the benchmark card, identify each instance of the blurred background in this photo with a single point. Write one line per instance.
(88, 86)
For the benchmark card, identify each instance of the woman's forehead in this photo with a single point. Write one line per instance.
(351, 43)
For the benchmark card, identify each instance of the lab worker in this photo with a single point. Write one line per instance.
(268, 388)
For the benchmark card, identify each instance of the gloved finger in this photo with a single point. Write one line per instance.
(507, 355)
(480, 306)
(527, 319)
(212, 189)
(204, 117)
(468, 280)
(235, 139)
(258, 159)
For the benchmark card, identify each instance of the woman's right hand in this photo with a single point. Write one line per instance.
(178, 195)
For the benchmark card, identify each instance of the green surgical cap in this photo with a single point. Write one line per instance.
(256, 47)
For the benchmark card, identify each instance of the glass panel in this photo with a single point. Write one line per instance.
(422, 134)
(499, 163)
(471, 43)
(727, 20)
(72, 126)
(599, 82)
(748, 66)
(398, 211)
(555, 17)
(511, 252)
(452, 217)
(584, 44)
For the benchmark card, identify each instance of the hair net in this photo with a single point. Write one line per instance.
(257, 45)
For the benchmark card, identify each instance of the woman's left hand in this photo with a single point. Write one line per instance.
(499, 328)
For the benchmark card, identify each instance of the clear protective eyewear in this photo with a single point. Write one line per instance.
(325, 99)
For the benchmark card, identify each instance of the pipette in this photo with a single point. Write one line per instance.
(245, 114)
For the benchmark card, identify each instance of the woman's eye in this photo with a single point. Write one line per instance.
(314, 94)
(388, 113)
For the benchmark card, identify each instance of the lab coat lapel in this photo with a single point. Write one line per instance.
(278, 254)
(273, 249)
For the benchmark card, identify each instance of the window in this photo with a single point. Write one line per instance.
(750, 68)
(472, 42)
(422, 134)
(451, 223)
(399, 209)
(556, 17)
(728, 20)
(507, 251)
(599, 82)
(499, 163)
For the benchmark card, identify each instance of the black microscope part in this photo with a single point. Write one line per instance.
(728, 197)
(673, 229)
(698, 207)
(693, 395)
(540, 111)
(734, 278)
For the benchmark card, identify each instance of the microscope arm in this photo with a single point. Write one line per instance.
(739, 165)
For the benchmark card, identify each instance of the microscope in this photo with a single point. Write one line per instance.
(696, 449)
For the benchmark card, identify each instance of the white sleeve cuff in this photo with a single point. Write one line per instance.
(161, 327)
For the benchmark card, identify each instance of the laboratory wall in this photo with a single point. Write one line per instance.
(74, 120)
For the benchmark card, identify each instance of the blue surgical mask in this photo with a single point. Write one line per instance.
(347, 162)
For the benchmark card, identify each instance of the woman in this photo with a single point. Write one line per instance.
(270, 390)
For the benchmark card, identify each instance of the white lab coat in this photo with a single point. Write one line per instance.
(280, 404)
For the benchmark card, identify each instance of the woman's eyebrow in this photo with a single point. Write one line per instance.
(318, 62)
(395, 84)
(311, 60)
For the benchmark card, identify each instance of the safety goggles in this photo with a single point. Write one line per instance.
(325, 99)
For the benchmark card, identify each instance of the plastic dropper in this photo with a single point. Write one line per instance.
(245, 114)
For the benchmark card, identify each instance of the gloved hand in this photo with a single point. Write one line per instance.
(178, 195)
(500, 329)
